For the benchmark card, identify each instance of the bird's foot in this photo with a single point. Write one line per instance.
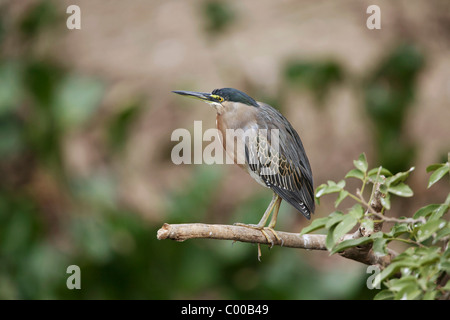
(263, 231)
(279, 239)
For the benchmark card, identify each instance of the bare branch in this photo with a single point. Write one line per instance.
(182, 232)
(403, 220)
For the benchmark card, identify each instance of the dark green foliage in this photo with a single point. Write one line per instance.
(389, 94)
(425, 263)
(218, 15)
(318, 77)
(42, 15)
(121, 124)
(52, 217)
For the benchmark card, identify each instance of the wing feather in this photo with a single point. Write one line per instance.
(282, 163)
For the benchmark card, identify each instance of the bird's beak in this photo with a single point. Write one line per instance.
(206, 97)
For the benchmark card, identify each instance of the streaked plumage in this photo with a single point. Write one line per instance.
(293, 182)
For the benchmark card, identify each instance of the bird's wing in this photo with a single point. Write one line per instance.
(279, 158)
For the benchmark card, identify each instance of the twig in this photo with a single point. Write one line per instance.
(404, 220)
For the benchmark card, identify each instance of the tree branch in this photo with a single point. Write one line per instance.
(363, 253)
(182, 232)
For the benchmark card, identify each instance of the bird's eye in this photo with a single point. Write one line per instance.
(218, 98)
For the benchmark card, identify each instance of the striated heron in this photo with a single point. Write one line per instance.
(272, 151)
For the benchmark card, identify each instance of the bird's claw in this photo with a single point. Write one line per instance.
(256, 227)
(279, 239)
(263, 231)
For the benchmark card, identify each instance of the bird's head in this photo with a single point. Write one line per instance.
(218, 98)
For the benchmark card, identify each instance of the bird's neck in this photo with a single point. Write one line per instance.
(234, 116)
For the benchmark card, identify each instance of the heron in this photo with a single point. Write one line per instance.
(278, 162)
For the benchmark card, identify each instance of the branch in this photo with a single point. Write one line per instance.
(363, 253)
(403, 220)
(182, 232)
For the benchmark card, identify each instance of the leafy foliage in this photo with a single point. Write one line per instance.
(418, 272)
(388, 93)
(52, 216)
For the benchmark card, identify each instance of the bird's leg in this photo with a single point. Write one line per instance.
(273, 221)
(263, 221)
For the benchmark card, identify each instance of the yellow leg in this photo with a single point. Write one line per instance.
(273, 221)
(274, 204)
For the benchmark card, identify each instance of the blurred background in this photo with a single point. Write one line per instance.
(86, 117)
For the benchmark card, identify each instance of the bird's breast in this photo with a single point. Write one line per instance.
(236, 129)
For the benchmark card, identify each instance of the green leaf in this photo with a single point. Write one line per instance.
(401, 190)
(379, 246)
(320, 191)
(439, 212)
(399, 177)
(323, 189)
(409, 292)
(407, 288)
(425, 211)
(357, 211)
(386, 201)
(334, 218)
(430, 295)
(438, 174)
(384, 295)
(350, 243)
(427, 255)
(398, 229)
(444, 232)
(315, 225)
(334, 187)
(393, 268)
(401, 283)
(384, 172)
(361, 163)
(424, 231)
(343, 227)
(342, 195)
(435, 166)
(329, 241)
(355, 173)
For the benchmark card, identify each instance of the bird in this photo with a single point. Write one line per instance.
(272, 152)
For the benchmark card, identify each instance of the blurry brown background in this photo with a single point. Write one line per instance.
(316, 61)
